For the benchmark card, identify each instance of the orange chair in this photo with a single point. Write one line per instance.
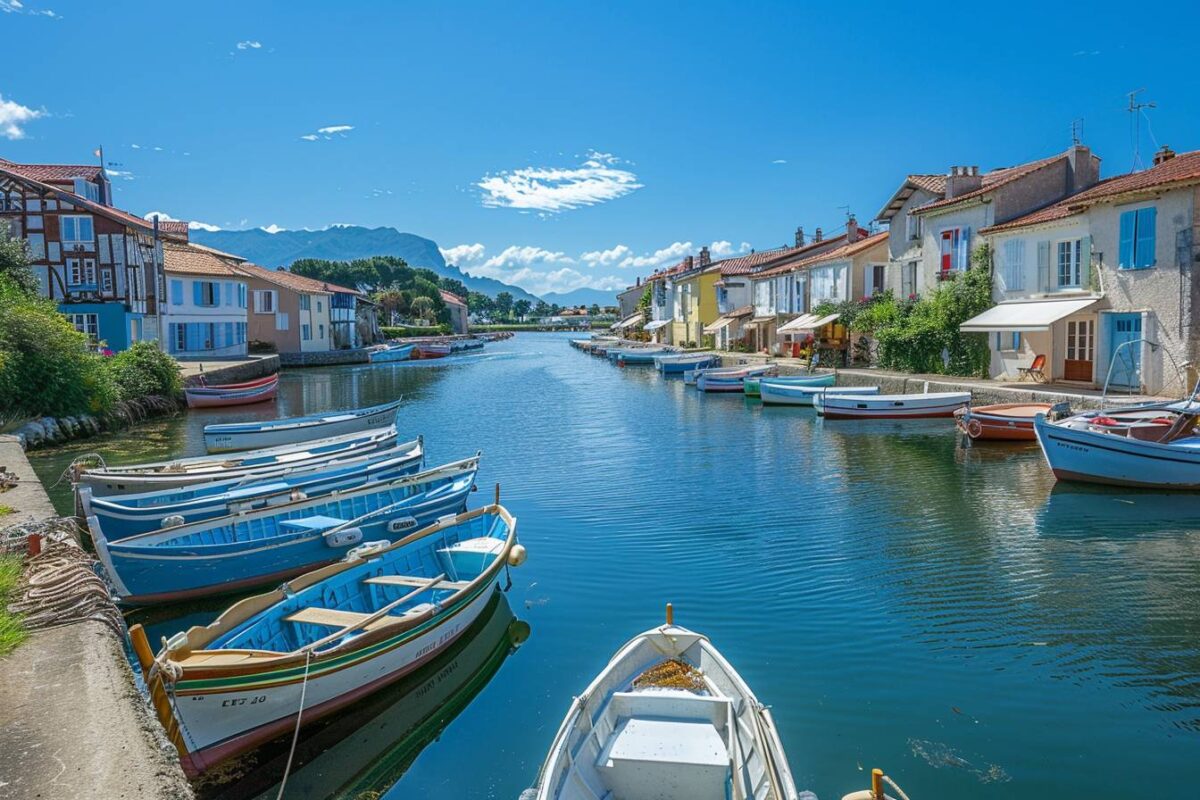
(1034, 370)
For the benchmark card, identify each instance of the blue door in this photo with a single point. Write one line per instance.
(1127, 364)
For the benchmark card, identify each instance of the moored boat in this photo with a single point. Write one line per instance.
(232, 394)
(428, 350)
(668, 717)
(783, 394)
(716, 380)
(394, 352)
(226, 554)
(637, 355)
(890, 406)
(131, 514)
(326, 638)
(679, 363)
(233, 436)
(750, 386)
(252, 465)
(1012, 422)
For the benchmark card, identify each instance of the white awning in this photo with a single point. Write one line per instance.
(807, 323)
(628, 322)
(1026, 316)
(759, 322)
(658, 323)
(716, 325)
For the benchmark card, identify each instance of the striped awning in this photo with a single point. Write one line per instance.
(628, 322)
(807, 323)
(656, 324)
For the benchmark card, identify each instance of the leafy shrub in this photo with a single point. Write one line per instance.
(397, 331)
(144, 370)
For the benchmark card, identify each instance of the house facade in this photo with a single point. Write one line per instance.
(101, 265)
(289, 312)
(628, 300)
(1102, 281)
(694, 299)
(353, 318)
(906, 234)
(458, 312)
(204, 308)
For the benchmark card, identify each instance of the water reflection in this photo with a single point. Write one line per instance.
(364, 750)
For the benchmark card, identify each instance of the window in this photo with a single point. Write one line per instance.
(1137, 238)
(305, 332)
(798, 295)
(34, 222)
(1069, 254)
(180, 337)
(318, 306)
(76, 230)
(106, 281)
(86, 323)
(829, 283)
(1008, 341)
(954, 250)
(241, 295)
(87, 189)
(37, 246)
(912, 226)
(320, 331)
(81, 272)
(874, 274)
(305, 302)
(1014, 265)
(908, 279)
(206, 293)
(264, 302)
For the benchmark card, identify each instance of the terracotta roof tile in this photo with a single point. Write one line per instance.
(741, 265)
(283, 277)
(934, 184)
(1182, 169)
(54, 173)
(188, 260)
(451, 297)
(991, 181)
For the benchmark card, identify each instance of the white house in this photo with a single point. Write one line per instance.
(906, 231)
(204, 308)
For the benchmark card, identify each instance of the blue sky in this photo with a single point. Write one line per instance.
(564, 144)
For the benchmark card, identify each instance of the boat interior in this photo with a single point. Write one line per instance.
(656, 728)
(1161, 425)
(404, 583)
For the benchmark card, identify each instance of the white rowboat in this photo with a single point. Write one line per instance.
(228, 437)
(890, 406)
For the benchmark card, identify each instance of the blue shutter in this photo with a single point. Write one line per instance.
(1128, 224)
(216, 293)
(1144, 255)
(229, 337)
(998, 335)
(1016, 341)
(172, 337)
(964, 249)
(176, 293)
(196, 292)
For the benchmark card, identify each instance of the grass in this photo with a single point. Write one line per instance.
(6, 510)
(11, 631)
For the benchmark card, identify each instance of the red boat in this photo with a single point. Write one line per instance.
(432, 350)
(232, 394)
(1011, 422)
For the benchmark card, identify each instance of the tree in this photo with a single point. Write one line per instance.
(391, 302)
(504, 305)
(421, 308)
(455, 286)
(542, 309)
(521, 308)
(479, 303)
(594, 310)
(14, 263)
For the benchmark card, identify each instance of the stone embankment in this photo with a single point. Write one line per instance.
(327, 358)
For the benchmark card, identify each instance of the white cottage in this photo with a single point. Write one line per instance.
(204, 309)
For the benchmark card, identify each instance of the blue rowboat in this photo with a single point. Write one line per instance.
(395, 352)
(327, 638)
(679, 363)
(750, 385)
(777, 394)
(131, 514)
(227, 554)
(636, 355)
(711, 380)
(253, 465)
(226, 437)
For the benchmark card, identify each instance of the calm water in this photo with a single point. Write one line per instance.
(945, 614)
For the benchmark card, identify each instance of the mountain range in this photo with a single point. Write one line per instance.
(346, 243)
(581, 297)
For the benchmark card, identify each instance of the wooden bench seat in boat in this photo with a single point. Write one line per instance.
(334, 618)
(314, 523)
(408, 580)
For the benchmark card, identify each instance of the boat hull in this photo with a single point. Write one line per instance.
(752, 386)
(669, 366)
(1087, 457)
(915, 406)
(773, 394)
(233, 395)
(392, 354)
(1006, 422)
(231, 438)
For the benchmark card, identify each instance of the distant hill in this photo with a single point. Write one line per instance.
(346, 243)
(581, 297)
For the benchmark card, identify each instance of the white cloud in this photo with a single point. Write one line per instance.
(17, 7)
(249, 44)
(123, 175)
(659, 258)
(551, 190)
(310, 137)
(561, 279)
(462, 253)
(779, 161)
(328, 132)
(136, 146)
(165, 217)
(516, 255)
(14, 116)
(605, 258)
(724, 249)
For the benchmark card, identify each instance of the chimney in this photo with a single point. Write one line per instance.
(961, 180)
(689, 263)
(705, 259)
(1163, 155)
(818, 236)
(1083, 169)
(851, 229)
(800, 237)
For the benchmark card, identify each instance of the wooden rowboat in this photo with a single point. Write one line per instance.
(730, 381)
(252, 465)
(427, 350)
(750, 386)
(227, 437)
(232, 394)
(668, 717)
(890, 406)
(325, 639)
(776, 394)
(1011, 422)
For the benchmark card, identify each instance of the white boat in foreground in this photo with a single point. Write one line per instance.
(228, 437)
(890, 406)
(667, 718)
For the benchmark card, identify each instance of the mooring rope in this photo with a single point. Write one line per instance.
(84, 460)
(287, 768)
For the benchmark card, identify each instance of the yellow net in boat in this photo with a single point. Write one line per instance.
(671, 674)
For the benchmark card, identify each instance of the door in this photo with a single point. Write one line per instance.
(1127, 361)
(1081, 348)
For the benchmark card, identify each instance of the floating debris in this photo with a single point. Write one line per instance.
(939, 755)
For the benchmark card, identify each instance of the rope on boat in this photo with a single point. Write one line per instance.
(287, 768)
(899, 792)
(85, 460)
(59, 585)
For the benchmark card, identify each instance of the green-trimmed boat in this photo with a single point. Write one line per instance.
(751, 385)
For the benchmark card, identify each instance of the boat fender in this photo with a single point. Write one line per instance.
(517, 555)
(173, 521)
(297, 495)
(367, 549)
(343, 537)
(401, 524)
(974, 428)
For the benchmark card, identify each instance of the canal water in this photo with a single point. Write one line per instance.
(948, 615)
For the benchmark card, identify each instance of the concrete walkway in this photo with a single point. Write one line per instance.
(72, 722)
(233, 370)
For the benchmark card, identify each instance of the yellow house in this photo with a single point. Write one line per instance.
(694, 301)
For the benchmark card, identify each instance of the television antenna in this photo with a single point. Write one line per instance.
(1077, 131)
(1137, 109)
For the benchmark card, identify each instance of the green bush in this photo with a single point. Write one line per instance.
(398, 331)
(46, 366)
(144, 370)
